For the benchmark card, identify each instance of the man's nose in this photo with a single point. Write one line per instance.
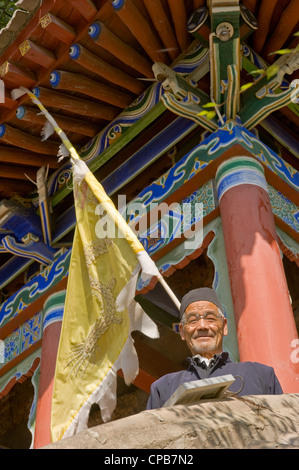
(202, 324)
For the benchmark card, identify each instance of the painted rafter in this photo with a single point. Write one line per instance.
(232, 84)
(62, 80)
(133, 18)
(31, 115)
(24, 157)
(13, 136)
(95, 64)
(163, 26)
(105, 38)
(75, 105)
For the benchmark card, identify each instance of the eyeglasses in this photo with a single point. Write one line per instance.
(193, 319)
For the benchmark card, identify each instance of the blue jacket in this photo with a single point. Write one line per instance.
(253, 378)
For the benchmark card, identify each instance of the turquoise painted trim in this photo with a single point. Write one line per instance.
(240, 162)
(238, 178)
(53, 308)
(238, 171)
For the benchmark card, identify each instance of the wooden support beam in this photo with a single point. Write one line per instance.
(163, 27)
(252, 5)
(18, 138)
(58, 28)
(86, 7)
(28, 114)
(8, 101)
(13, 75)
(179, 16)
(265, 13)
(23, 157)
(126, 53)
(10, 187)
(94, 64)
(51, 98)
(113, 22)
(62, 80)
(198, 4)
(140, 28)
(37, 54)
(286, 24)
(17, 172)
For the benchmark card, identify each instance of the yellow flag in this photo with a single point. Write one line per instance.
(100, 312)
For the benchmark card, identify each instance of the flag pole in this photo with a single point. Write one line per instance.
(16, 93)
(169, 291)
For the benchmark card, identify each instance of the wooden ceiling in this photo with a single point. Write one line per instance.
(107, 76)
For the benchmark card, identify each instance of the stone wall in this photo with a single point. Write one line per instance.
(260, 421)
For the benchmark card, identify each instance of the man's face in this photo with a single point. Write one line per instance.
(203, 337)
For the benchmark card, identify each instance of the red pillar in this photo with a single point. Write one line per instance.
(264, 317)
(53, 312)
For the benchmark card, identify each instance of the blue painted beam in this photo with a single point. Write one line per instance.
(145, 156)
(11, 269)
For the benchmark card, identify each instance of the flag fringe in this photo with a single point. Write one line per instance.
(47, 131)
(62, 152)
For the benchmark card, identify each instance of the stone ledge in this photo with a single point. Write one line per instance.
(256, 421)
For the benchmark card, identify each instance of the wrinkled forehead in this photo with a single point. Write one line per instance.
(201, 306)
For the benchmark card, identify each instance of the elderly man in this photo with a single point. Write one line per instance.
(203, 327)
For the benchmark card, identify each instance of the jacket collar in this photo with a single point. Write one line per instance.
(218, 359)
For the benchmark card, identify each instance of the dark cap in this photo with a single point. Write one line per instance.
(195, 295)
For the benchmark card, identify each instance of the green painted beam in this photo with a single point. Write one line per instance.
(250, 67)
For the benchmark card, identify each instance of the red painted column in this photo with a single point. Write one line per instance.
(263, 313)
(53, 312)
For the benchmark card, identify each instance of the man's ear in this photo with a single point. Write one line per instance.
(181, 329)
(225, 327)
